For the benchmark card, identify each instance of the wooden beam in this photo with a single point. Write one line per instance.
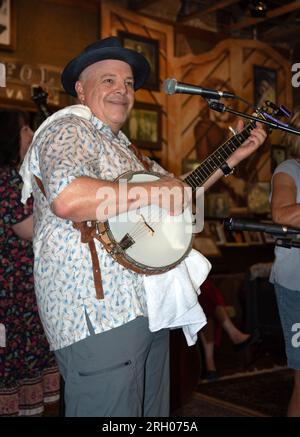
(213, 8)
(136, 6)
(282, 10)
(196, 32)
(191, 31)
(91, 5)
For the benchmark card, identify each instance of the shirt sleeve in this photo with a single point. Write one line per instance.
(156, 168)
(291, 167)
(68, 150)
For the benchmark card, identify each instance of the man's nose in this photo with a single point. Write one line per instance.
(121, 87)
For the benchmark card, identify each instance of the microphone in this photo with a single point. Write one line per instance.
(171, 86)
(231, 224)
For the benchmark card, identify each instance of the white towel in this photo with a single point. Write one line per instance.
(172, 297)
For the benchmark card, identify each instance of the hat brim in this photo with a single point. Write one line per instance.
(138, 63)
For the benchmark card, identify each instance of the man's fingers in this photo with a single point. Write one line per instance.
(239, 125)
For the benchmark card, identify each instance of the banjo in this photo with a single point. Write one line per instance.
(150, 241)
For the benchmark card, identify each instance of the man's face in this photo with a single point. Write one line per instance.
(107, 88)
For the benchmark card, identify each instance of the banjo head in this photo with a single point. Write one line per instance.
(158, 241)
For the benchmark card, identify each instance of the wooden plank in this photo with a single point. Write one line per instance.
(191, 31)
(213, 8)
(91, 5)
(282, 10)
(202, 34)
(136, 6)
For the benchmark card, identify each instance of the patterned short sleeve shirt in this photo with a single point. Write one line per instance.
(68, 148)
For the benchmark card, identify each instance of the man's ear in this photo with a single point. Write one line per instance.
(79, 91)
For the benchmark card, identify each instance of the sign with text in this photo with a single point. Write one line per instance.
(2, 75)
(22, 77)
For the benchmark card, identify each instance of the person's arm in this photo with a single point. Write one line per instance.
(68, 163)
(24, 229)
(256, 138)
(86, 198)
(285, 209)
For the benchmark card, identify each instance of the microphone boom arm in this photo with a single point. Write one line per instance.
(281, 233)
(220, 107)
(232, 224)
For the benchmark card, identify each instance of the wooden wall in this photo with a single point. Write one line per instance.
(48, 34)
(228, 66)
(115, 19)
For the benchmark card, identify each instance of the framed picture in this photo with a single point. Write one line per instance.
(258, 198)
(264, 83)
(278, 154)
(217, 205)
(269, 238)
(207, 246)
(7, 25)
(188, 165)
(216, 231)
(143, 127)
(253, 237)
(150, 49)
(234, 238)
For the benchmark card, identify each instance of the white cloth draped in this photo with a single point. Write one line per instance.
(172, 297)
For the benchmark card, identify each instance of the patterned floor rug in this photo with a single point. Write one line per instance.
(266, 393)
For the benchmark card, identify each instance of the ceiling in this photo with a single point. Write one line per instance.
(279, 23)
(214, 20)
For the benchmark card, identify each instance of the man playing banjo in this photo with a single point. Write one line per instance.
(92, 307)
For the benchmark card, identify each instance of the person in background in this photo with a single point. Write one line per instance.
(213, 304)
(111, 362)
(28, 372)
(285, 273)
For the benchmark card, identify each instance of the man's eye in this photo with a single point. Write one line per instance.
(108, 80)
(130, 84)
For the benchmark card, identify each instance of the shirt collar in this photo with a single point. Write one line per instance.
(106, 130)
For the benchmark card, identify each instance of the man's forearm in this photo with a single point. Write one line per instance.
(94, 199)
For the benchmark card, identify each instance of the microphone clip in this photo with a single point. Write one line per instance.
(216, 105)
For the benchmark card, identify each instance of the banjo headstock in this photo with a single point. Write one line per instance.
(271, 111)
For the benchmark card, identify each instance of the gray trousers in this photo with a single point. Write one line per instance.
(121, 372)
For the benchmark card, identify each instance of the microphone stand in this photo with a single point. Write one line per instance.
(220, 107)
(280, 236)
(287, 243)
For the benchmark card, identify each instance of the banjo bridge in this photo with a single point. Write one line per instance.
(148, 227)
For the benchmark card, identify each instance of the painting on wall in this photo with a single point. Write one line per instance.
(265, 83)
(150, 49)
(7, 25)
(278, 155)
(217, 205)
(258, 198)
(144, 126)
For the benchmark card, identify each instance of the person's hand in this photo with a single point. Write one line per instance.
(174, 195)
(253, 142)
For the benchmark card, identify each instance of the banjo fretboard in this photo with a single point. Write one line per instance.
(217, 158)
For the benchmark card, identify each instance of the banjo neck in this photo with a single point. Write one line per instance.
(217, 158)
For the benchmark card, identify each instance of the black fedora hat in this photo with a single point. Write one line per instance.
(108, 48)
